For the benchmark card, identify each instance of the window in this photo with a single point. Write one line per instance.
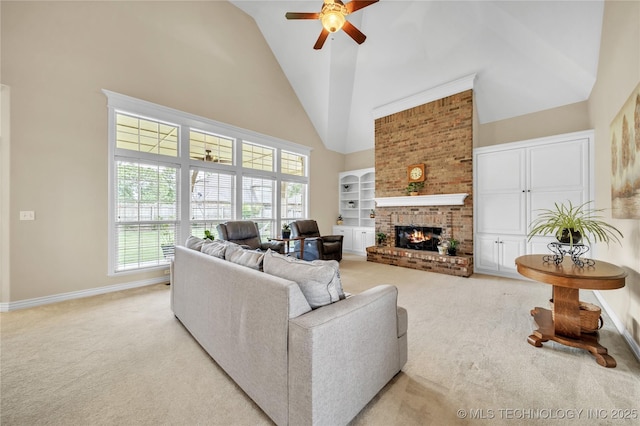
(292, 202)
(258, 201)
(173, 174)
(212, 200)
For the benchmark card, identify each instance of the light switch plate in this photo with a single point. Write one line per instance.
(27, 215)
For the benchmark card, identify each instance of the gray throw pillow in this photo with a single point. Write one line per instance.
(214, 248)
(319, 280)
(250, 258)
(194, 243)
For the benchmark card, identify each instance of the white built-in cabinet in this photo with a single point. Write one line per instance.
(513, 181)
(356, 200)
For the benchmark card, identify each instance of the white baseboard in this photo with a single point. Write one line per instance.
(38, 301)
(635, 348)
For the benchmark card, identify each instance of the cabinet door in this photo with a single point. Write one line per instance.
(486, 252)
(369, 239)
(347, 234)
(500, 206)
(509, 248)
(558, 173)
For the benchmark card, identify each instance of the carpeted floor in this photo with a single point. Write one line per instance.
(123, 359)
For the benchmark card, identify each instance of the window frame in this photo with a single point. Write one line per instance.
(117, 102)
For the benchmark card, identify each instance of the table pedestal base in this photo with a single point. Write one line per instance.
(587, 341)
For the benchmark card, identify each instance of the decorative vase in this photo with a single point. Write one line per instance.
(565, 239)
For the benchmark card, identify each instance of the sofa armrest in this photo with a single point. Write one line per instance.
(341, 355)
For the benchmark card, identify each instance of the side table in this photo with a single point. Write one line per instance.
(286, 242)
(563, 324)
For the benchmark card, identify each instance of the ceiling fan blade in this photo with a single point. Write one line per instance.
(354, 33)
(323, 36)
(301, 15)
(357, 5)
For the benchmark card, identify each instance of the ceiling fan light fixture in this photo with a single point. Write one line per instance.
(332, 20)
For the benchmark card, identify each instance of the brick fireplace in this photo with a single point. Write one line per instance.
(440, 135)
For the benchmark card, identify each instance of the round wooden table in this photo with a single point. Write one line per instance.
(563, 325)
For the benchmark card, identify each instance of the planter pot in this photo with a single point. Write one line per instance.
(451, 251)
(413, 193)
(338, 222)
(286, 234)
(565, 239)
(442, 250)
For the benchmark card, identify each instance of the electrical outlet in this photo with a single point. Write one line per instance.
(27, 215)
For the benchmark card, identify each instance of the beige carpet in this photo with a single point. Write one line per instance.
(123, 359)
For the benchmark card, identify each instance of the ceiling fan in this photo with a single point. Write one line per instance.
(333, 17)
(212, 158)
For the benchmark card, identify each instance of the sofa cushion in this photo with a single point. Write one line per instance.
(215, 248)
(319, 280)
(250, 258)
(194, 243)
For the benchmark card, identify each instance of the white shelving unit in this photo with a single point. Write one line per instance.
(356, 200)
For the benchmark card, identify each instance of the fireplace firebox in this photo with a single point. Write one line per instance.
(418, 237)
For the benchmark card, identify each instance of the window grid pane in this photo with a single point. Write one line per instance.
(144, 245)
(257, 157)
(145, 193)
(293, 199)
(212, 196)
(211, 148)
(257, 204)
(143, 135)
(293, 164)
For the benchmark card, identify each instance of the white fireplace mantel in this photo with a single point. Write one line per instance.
(422, 200)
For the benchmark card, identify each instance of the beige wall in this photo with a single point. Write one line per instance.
(555, 121)
(205, 58)
(618, 75)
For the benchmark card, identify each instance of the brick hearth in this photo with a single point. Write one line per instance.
(461, 266)
(440, 135)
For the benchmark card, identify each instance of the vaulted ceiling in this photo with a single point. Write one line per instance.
(527, 56)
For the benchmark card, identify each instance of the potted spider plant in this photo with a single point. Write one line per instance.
(570, 224)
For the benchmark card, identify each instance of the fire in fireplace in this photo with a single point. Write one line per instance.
(418, 237)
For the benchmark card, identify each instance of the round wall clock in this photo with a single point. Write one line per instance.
(415, 173)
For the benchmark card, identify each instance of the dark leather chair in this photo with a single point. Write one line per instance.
(325, 247)
(247, 234)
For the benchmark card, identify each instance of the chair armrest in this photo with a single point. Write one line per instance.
(341, 355)
(277, 246)
(333, 238)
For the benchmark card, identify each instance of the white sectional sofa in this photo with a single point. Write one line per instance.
(302, 366)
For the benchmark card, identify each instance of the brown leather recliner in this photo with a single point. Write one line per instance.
(325, 247)
(247, 234)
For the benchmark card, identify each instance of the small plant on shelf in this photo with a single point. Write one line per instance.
(339, 220)
(414, 187)
(372, 213)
